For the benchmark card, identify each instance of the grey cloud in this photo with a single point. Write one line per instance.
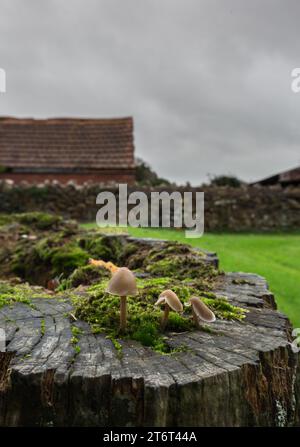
(207, 81)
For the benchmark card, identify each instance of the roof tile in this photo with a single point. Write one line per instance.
(66, 143)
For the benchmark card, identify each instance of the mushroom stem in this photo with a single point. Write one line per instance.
(165, 316)
(123, 313)
(196, 319)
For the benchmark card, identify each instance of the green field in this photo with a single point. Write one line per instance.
(275, 256)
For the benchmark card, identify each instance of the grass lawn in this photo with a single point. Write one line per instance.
(274, 256)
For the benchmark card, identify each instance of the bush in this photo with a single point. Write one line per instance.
(145, 176)
(226, 180)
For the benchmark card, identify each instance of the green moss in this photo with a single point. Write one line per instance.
(171, 249)
(129, 249)
(181, 267)
(39, 220)
(101, 311)
(76, 331)
(43, 326)
(58, 248)
(47, 258)
(34, 220)
(88, 274)
(77, 349)
(117, 345)
(180, 323)
(105, 247)
(52, 246)
(40, 246)
(9, 295)
(22, 293)
(147, 334)
(46, 247)
(223, 309)
(6, 219)
(68, 258)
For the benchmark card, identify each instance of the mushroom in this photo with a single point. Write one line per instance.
(200, 311)
(122, 283)
(171, 301)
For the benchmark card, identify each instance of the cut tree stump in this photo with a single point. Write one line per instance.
(241, 374)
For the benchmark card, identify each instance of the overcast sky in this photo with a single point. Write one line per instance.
(208, 82)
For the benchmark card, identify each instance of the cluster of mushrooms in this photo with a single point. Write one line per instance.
(123, 284)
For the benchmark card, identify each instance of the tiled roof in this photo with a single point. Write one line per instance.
(66, 143)
(287, 177)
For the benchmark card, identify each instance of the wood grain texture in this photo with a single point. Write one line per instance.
(241, 374)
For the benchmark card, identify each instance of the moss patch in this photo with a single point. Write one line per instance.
(86, 275)
(11, 294)
(38, 220)
(101, 311)
(38, 247)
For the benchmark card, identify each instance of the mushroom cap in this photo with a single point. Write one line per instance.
(122, 283)
(169, 297)
(202, 311)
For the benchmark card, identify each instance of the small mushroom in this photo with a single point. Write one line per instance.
(122, 283)
(171, 301)
(201, 312)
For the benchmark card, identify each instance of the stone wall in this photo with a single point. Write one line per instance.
(233, 209)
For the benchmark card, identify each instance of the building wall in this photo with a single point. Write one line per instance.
(80, 178)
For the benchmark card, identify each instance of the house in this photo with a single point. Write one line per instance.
(286, 178)
(63, 149)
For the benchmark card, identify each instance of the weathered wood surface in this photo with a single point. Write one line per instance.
(244, 374)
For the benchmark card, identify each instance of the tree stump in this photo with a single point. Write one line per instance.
(240, 374)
